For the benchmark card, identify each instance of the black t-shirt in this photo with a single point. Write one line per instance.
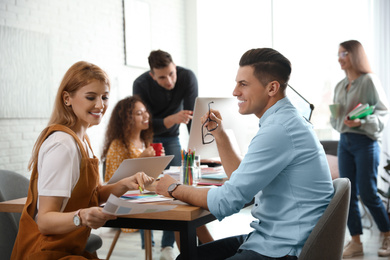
(162, 103)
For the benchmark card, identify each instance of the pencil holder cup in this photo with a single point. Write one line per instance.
(187, 171)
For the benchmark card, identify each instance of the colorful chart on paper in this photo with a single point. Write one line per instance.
(138, 196)
(147, 196)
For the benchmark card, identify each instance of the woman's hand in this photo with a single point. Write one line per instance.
(352, 123)
(51, 221)
(148, 152)
(140, 179)
(94, 217)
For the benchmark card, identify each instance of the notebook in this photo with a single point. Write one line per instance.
(152, 166)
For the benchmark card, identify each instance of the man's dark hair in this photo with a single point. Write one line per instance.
(159, 59)
(268, 65)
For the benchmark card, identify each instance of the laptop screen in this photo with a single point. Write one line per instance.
(240, 128)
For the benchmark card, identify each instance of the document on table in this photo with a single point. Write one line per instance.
(173, 171)
(117, 206)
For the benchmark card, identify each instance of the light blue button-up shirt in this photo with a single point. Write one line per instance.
(286, 171)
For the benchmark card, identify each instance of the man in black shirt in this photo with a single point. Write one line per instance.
(169, 92)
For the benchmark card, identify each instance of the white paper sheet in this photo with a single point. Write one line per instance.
(117, 206)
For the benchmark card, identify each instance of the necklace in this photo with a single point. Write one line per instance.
(139, 146)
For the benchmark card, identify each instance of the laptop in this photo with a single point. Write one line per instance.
(239, 128)
(152, 166)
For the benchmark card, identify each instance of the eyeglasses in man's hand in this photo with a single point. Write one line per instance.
(207, 137)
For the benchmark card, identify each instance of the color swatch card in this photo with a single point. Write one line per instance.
(135, 196)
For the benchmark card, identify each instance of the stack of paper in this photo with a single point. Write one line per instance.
(213, 176)
(173, 171)
(117, 207)
(361, 111)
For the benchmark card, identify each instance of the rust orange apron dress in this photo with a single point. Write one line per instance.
(30, 243)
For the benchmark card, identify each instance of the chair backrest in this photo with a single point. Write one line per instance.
(326, 241)
(12, 186)
(330, 146)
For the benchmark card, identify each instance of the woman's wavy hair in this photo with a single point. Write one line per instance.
(121, 124)
(357, 56)
(78, 75)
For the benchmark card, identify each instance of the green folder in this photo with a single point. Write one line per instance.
(368, 111)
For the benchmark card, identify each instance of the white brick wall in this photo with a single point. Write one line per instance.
(90, 30)
(17, 139)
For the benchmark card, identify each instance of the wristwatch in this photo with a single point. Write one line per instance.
(172, 188)
(77, 219)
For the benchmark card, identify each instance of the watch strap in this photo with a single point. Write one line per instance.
(177, 184)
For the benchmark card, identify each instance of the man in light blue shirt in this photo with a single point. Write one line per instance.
(285, 168)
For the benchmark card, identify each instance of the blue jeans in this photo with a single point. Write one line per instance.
(168, 238)
(228, 248)
(358, 158)
(171, 146)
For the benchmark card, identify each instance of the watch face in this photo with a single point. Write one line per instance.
(76, 220)
(172, 187)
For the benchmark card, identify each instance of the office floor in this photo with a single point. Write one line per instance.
(129, 244)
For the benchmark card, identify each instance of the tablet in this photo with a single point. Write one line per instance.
(152, 166)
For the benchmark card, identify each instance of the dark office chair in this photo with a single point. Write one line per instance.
(14, 186)
(330, 148)
(326, 241)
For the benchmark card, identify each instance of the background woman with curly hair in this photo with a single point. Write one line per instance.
(129, 134)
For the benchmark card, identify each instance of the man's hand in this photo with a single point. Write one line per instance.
(183, 116)
(229, 157)
(189, 194)
(214, 115)
(163, 184)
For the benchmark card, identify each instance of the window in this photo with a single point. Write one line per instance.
(307, 32)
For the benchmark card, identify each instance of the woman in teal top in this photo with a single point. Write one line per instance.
(359, 151)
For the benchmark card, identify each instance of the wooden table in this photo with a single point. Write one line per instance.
(15, 205)
(184, 218)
